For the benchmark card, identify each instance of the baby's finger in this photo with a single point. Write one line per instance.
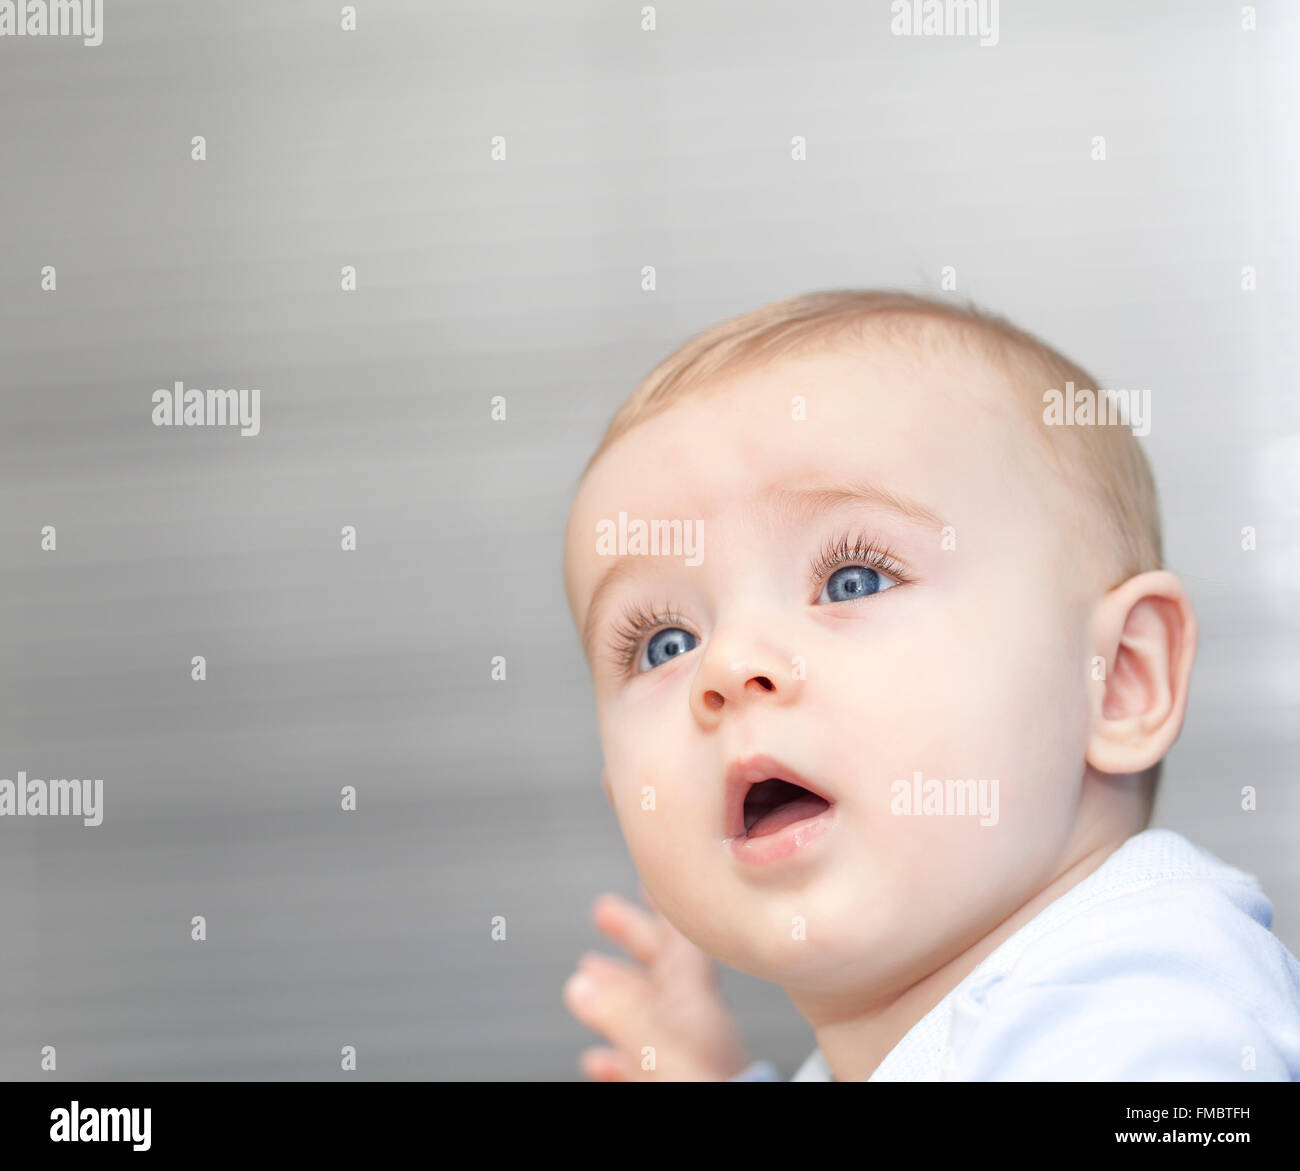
(612, 998)
(678, 956)
(674, 947)
(681, 959)
(627, 924)
(605, 1065)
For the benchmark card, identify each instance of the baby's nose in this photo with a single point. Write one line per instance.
(716, 699)
(728, 682)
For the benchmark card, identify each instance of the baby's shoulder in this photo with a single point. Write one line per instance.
(1179, 928)
(1177, 976)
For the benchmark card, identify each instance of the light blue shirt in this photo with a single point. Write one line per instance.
(1159, 966)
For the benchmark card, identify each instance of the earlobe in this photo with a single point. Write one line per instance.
(1145, 630)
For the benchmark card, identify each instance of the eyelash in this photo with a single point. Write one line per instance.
(638, 622)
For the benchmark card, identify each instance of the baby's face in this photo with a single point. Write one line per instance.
(947, 636)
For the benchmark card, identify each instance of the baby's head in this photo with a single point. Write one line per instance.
(815, 455)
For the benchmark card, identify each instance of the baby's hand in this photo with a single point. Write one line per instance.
(668, 1001)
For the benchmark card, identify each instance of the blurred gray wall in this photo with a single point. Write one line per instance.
(521, 278)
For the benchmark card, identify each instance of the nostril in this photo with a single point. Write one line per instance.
(715, 699)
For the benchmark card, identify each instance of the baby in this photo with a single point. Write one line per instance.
(923, 816)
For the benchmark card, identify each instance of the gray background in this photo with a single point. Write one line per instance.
(522, 278)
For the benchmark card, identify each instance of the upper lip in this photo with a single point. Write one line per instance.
(745, 773)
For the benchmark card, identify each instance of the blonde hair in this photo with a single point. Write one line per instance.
(1105, 464)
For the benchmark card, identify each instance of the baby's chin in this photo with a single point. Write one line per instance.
(852, 969)
(798, 941)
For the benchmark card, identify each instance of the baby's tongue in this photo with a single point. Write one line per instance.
(787, 814)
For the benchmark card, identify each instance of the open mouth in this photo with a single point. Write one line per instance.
(773, 804)
(775, 815)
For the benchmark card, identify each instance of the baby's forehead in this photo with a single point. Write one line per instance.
(925, 430)
(878, 412)
(853, 392)
(947, 416)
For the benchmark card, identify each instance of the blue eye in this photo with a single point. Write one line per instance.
(669, 641)
(855, 581)
(668, 644)
(849, 568)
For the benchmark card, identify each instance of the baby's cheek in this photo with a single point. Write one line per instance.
(658, 819)
(951, 805)
(665, 817)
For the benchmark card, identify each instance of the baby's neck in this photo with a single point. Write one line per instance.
(855, 1041)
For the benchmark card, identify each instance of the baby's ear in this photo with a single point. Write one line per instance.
(1145, 631)
(604, 781)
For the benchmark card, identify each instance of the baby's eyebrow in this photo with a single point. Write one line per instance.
(801, 504)
(794, 505)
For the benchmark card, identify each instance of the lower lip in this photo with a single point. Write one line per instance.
(792, 841)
